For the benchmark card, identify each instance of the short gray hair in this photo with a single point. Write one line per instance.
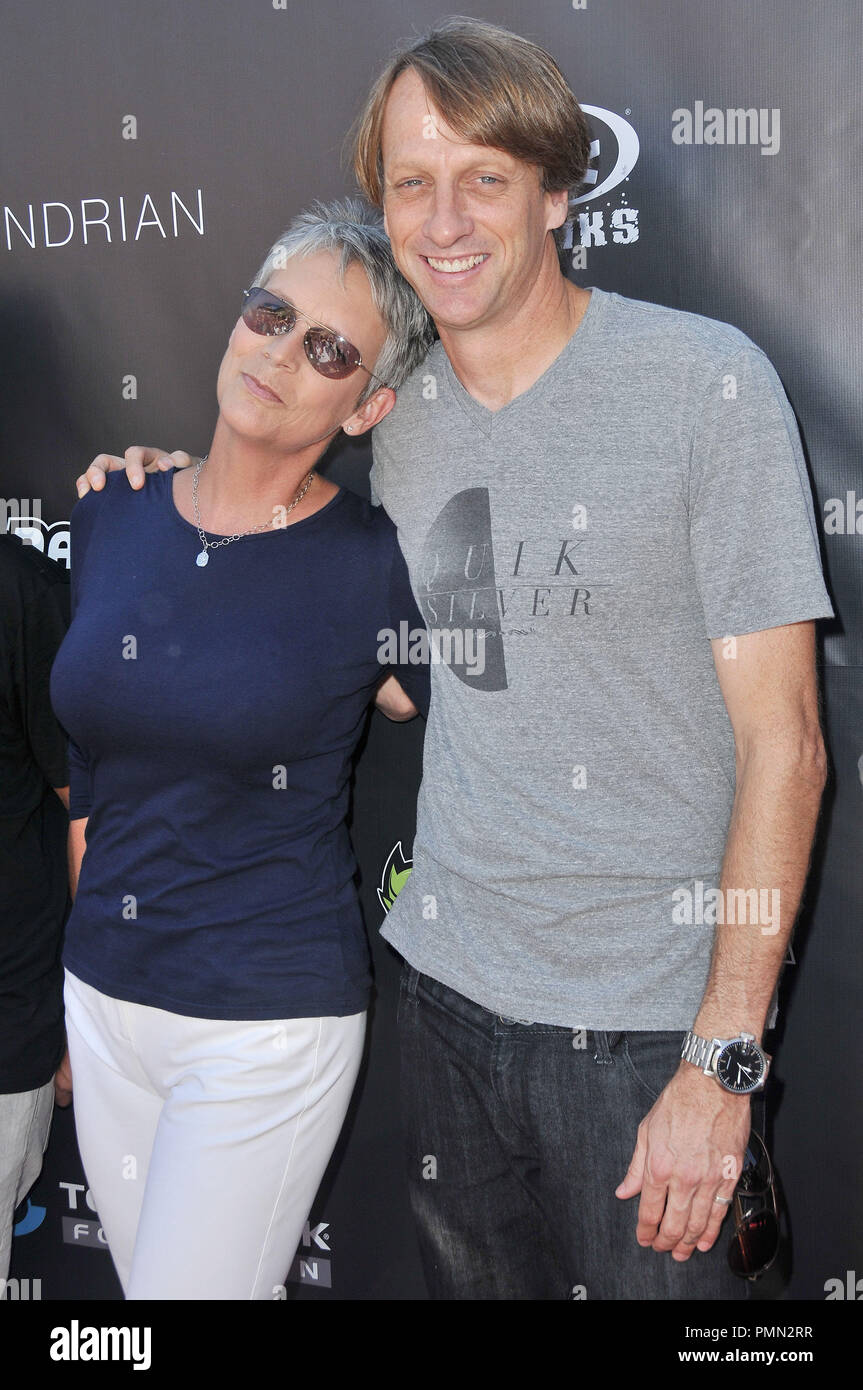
(355, 230)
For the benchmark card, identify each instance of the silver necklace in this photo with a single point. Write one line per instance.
(202, 558)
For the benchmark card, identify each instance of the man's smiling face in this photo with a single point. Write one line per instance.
(468, 224)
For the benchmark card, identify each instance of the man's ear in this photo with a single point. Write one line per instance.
(370, 412)
(558, 208)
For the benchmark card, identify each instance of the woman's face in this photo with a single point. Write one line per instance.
(267, 388)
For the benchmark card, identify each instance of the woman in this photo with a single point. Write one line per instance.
(214, 682)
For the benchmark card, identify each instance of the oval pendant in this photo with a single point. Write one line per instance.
(202, 559)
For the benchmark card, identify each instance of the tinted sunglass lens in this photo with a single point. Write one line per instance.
(329, 355)
(754, 1245)
(267, 316)
(755, 1176)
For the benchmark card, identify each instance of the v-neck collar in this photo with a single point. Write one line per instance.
(484, 418)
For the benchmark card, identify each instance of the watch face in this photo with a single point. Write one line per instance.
(740, 1067)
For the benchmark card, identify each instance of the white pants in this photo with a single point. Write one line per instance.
(204, 1142)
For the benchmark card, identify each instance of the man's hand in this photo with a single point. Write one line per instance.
(392, 701)
(689, 1150)
(137, 460)
(63, 1082)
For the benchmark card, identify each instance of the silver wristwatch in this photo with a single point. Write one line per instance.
(738, 1064)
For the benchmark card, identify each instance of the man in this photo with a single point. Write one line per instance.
(618, 803)
(34, 800)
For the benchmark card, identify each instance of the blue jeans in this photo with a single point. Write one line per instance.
(516, 1139)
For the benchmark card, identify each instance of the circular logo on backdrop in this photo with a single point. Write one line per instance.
(613, 153)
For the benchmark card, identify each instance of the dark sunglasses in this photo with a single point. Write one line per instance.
(756, 1213)
(329, 353)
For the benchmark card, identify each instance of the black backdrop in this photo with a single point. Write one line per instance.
(151, 152)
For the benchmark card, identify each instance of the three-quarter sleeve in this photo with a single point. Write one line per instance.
(80, 792)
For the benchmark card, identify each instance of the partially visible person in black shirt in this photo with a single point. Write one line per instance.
(34, 800)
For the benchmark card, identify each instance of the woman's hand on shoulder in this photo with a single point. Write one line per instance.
(137, 460)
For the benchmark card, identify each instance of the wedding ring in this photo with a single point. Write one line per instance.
(726, 1201)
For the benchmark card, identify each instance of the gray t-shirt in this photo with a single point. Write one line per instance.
(583, 543)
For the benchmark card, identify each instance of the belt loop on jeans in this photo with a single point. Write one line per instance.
(602, 1056)
(411, 977)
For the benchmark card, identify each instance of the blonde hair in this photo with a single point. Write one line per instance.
(493, 88)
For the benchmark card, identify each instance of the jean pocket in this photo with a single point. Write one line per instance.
(652, 1059)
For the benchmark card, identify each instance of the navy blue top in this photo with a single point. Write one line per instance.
(213, 714)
